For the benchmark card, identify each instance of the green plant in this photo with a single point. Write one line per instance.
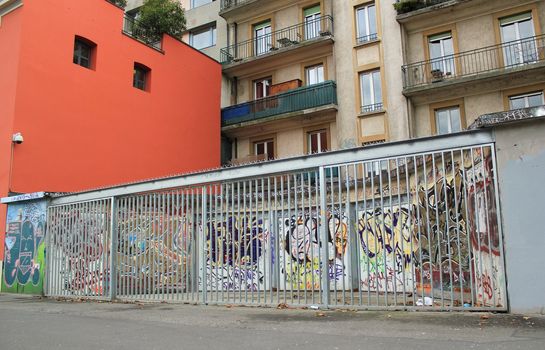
(405, 6)
(120, 3)
(157, 17)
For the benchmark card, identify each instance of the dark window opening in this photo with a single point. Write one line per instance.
(141, 77)
(83, 52)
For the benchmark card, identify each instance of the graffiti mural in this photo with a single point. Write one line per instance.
(236, 253)
(24, 260)
(300, 259)
(154, 253)
(387, 249)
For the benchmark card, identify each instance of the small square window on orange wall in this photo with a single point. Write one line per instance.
(84, 52)
(141, 77)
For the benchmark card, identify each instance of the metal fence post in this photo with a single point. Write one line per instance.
(113, 249)
(324, 238)
(202, 245)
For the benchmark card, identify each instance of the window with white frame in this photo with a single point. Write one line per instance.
(317, 141)
(532, 99)
(197, 3)
(264, 147)
(371, 91)
(441, 54)
(448, 120)
(262, 87)
(314, 74)
(517, 36)
(366, 23)
(263, 38)
(203, 37)
(312, 22)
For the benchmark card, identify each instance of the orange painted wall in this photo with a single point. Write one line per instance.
(88, 128)
(10, 30)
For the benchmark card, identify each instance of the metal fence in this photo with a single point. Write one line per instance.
(132, 27)
(512, 54)
(278, 40)
(419, 230)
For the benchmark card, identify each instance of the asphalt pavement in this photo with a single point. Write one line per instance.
(39, 323)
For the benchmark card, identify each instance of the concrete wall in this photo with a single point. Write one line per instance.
(521, 169)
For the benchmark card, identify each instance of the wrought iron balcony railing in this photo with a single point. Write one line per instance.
(131, 28)
(278, 40)
(228, 4)
(406, 6)
(291, 101)
(509, 55)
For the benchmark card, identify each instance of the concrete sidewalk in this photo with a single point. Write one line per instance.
(36, 323)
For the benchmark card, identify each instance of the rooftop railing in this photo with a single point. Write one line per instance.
(131, 28)
(228, 4)
(291, 101)
(406, 6)
(278, 40)
(496, 58)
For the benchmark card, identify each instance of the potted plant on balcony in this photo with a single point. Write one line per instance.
(158, 17)
(437, 75)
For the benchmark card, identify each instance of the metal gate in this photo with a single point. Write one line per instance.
(414, 231)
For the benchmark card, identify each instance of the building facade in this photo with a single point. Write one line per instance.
(84, 104)
(465, 58)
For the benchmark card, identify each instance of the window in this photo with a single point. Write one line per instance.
(526, 100)
(517, 34)
(366, 25)
(197, 3)
(262, 87)
(314, 74)
(141, 77)
(447, 120)
(441, 54)
(84, 52)
(203, 37)
(317, 141)
(371, 91)
(262, 36)
(265, 147)
(312, 22)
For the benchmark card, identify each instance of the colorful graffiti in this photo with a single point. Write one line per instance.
(24, 261)
(387, 249)
(300, 262)
(153, 253)
(80, 251)
(236, 254)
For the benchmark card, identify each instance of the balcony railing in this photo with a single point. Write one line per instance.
(131, 28)
(406, 6)
(228, 4)
(509, 55)
(287, 102)
(278, 40)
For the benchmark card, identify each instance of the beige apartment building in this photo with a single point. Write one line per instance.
(306, 76)
(466, 58)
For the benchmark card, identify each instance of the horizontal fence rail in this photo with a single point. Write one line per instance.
(291, 101)
(513, 54)
(410, 231)
(278, 40)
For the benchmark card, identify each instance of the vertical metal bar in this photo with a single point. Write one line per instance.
(494, 171)
(323, 235)
(401, 232)
(478, 280)
(383, 230)
(458, 215)
(289, 238)
(431, 258)
(392, 237)
(487, 220)
(203, 243)
(311, 238)
(113, 245)
(447, 223)
(466, 185)
(284, 230)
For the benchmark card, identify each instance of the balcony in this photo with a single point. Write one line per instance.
(235, 10)
(487, 65)
(132, 29)
(304, 99)
(408, 7)
(277, 42)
